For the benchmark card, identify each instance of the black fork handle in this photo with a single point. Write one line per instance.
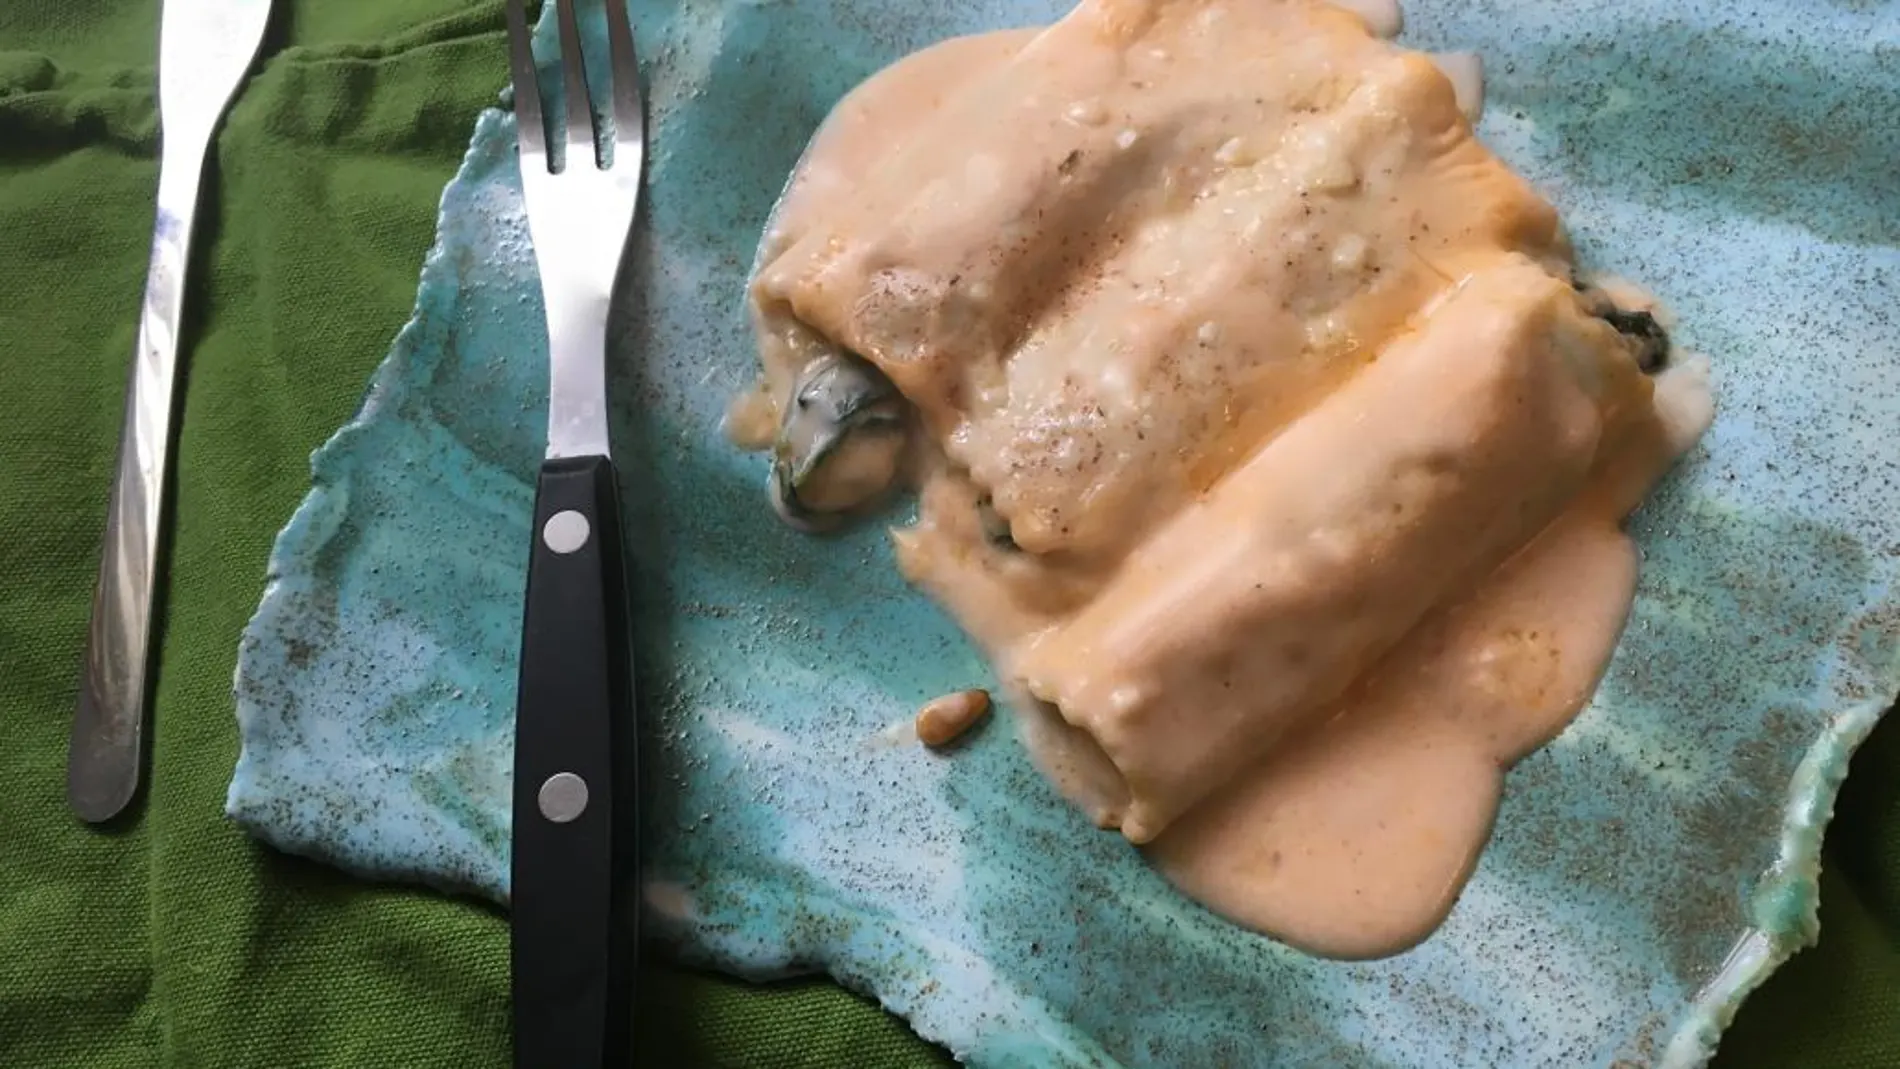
(575, 868)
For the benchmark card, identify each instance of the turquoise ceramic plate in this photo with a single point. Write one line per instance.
(1650, 866)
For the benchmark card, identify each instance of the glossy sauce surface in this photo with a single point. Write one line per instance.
(1311, 460)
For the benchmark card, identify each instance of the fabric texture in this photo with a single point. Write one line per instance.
(170, 939)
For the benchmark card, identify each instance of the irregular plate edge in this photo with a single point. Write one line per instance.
(318, 515)
(1786, 900)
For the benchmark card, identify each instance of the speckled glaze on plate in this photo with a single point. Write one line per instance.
(1650, 867)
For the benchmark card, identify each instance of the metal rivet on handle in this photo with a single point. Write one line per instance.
(563, 797)
(565, 531)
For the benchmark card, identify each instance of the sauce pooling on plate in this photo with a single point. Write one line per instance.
(1264, 436)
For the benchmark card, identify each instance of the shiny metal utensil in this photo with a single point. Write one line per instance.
(575, 855)
(205, 47)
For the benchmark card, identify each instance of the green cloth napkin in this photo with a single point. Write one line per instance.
(175, 941)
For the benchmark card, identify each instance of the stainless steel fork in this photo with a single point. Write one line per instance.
(575, 851)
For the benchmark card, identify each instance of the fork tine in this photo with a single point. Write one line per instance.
(529, 129)
(623, 63)
(580, 116)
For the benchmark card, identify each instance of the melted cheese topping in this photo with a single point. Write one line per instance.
(1310, 459)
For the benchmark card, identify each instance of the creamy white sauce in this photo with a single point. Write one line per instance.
(1465, 70)
(1268, 449)
(1383, 17)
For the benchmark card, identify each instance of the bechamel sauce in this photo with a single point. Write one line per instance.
(1348, 543)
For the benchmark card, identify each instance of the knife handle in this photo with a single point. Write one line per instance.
(575, 864)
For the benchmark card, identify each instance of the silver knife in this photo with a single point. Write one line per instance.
(204, 49)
